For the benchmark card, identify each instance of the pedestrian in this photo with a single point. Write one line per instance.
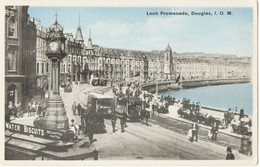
(75, 128)
(122, 124)
(10, 108)
(230, 155)
(147, 116)
(91, 131)
(29, 107)
(73, 108)
(124, 118)
(33, 108)
(79, 108)
(190, 135)
(214, 131)
(15, 110)
(142, 115)
(153, 108)
(19, 109)
(39, 109)
(195, 130)
(241, 114)
(113, 121)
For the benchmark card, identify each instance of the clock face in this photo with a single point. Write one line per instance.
(53, 46)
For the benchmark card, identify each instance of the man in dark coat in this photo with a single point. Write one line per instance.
(214, 131)
(79, 108)
(153, 108)
(40, 110)
(142, 115)
(90, 130)
(230, 155)
(113, 121)
(147, 116)
(124, 119)
(122, 124)
(195, 130)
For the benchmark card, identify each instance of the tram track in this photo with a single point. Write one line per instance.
(171, 144)
(177, 140)
(182, 128)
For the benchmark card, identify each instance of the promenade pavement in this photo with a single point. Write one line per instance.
(140, 141)
(169, 143)
(173, 113)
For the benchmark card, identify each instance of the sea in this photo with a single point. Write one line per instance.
(220, 97)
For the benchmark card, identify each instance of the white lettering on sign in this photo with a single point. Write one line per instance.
(33, 131)
(29, 130)
(13, 127)
(9, 13)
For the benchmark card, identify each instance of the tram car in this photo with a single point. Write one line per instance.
(98, 108)
(132, 107)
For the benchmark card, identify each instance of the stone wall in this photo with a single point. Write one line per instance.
(172, 85)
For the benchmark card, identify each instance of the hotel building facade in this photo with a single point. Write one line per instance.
(20, 55)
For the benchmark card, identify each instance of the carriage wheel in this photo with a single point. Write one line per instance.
(84, 125)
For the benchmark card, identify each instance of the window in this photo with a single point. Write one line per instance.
(12, 51)
(47, 67)
(37, 68)
(42, 68)
(12, 28)
(69, 68)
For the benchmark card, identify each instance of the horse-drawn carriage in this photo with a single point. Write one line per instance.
(192, 112)
(241, 128)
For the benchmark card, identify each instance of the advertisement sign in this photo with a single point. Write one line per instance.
(30, 130)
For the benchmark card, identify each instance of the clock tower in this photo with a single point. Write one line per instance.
(56, 117)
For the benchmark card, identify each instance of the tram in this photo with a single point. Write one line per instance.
(132, 107)
(98, 108)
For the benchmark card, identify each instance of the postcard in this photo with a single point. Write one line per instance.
(129, 82)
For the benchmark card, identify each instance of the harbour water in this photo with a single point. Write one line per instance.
(220, 97)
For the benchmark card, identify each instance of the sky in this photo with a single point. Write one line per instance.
(132, 28)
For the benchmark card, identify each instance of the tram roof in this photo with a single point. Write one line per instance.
(100, 96)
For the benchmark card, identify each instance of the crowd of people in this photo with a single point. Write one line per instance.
(33, 108)
(77, 109)
(15, 110)
(131, 92)
(241, 124)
